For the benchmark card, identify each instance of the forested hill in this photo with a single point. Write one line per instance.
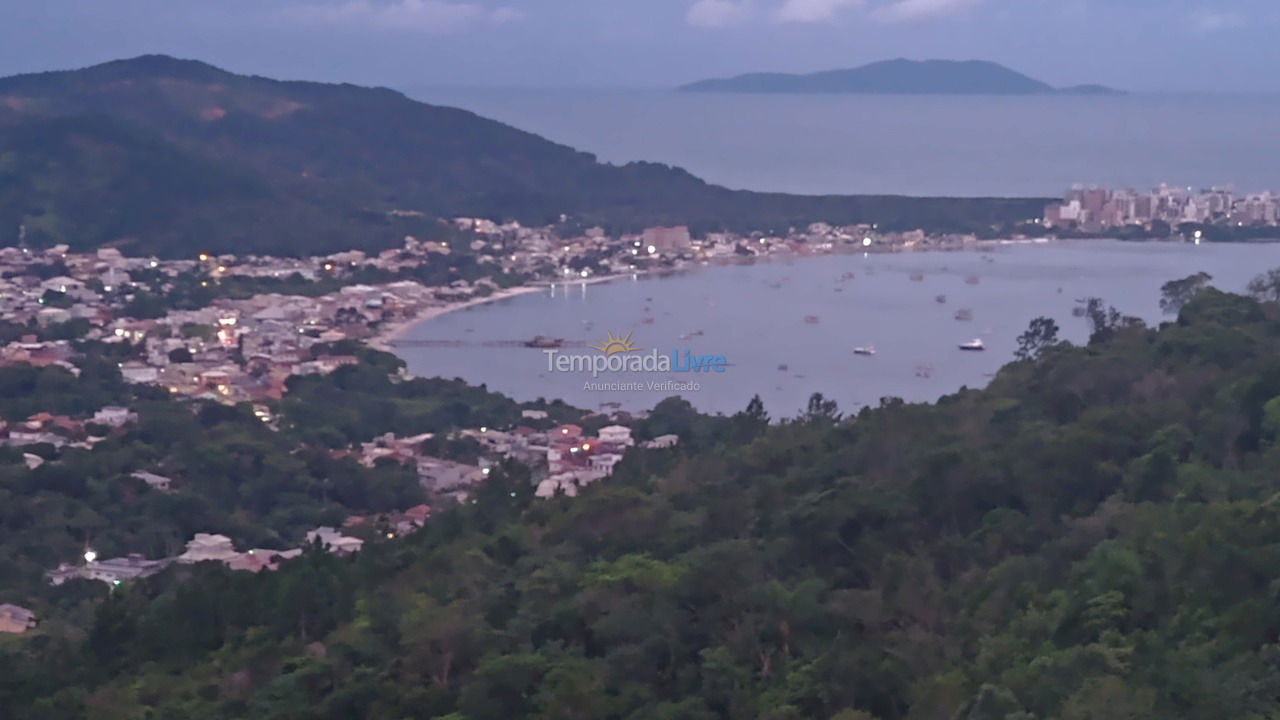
(168, 156)
(1096, 535)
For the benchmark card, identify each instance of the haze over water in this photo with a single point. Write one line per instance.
(911, 145)
(755, 315)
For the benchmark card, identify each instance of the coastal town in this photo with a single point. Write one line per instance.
(1101, 209)
(233, 331)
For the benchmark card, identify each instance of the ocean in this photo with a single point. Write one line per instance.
(911, 145)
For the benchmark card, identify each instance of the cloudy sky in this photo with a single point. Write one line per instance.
(1162, 45)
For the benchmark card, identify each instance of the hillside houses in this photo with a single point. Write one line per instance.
(15, 619)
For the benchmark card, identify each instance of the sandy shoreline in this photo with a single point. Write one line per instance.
(388, 334)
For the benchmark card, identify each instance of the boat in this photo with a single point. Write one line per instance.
(972, 280)
(543, 341)
(868, 350)
(964, 315)
(694, 334)
(811, 319)
(783, 367)
(917, 277)
(647, 321)
(941, 299)
(975, 345)
(924, 370)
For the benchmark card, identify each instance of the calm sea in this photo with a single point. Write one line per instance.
(789, 327)
(967, 146)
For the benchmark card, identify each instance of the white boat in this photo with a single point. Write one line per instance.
(868, 350)
(974, 345)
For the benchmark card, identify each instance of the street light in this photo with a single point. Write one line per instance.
(90, 556)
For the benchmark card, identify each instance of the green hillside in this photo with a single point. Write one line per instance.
(172, 156)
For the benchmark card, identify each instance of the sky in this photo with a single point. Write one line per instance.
(1138, 45)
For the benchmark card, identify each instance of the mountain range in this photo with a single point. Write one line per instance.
(168, 156)
(898, 77)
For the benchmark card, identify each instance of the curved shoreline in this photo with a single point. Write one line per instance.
(386, 337)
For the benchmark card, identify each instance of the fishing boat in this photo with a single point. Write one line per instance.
(868, 350)
(975, 345)
(543, 341)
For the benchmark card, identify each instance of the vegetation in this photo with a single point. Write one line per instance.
(170, 157)
(262, 489)
(1095, 535)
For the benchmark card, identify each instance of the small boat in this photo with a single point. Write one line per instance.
(783, 368)
(811, 319)
(924, 370)
(964, 315)
(846, 277)
(694, 334)
(975, 345)
(647, 321)
(941, 299)
(542, 341)
(971, 280)
(917, 277)
(868, 350)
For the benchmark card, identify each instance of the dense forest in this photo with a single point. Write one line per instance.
(172, 157)
(1094, 535)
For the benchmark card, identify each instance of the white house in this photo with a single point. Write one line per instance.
(205, 546)
(114, 416)
(334, 541)
(157, 482)
(662, 441)
(616, 435)
(15, 619)
(604, 462)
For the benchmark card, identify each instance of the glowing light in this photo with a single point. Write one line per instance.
(204, 257)
(90, 556)
(866, 242)
(586, 447)
(652, 249)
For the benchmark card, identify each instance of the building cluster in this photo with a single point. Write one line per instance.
(203, 547)
(1097, 209)
(575, 460)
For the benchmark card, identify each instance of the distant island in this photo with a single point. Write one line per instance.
(899, 77)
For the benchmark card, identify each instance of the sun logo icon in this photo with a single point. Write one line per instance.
(616, 345)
